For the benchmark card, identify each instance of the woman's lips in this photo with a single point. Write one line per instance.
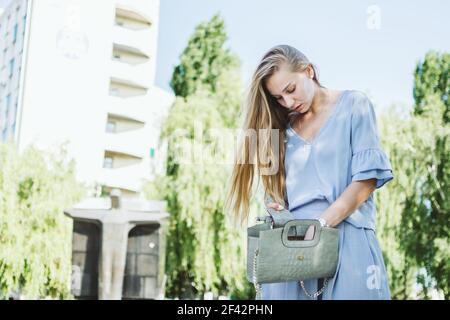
(298, 107)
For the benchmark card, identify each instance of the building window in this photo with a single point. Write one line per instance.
(7, 109)
(11, 67)
(24, 24)
(8, 103)
(114, 91)
(15, 115)
(111, 127)
(107, 162)
(16, 27)
(5, 133)
(18, 78)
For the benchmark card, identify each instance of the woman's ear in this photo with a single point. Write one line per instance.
(310, 71)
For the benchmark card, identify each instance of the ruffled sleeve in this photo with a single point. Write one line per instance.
(368, 159)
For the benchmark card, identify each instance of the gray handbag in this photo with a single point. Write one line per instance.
(277, 253)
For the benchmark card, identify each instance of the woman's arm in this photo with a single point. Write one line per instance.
(353, 196)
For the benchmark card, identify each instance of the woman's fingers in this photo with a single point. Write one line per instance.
(309, 233)
(275, 206)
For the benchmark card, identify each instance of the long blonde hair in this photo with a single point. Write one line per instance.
(262, 111)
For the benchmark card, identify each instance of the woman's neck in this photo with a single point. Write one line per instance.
(320, 100)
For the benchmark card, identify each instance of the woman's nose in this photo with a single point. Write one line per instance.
(289, 102)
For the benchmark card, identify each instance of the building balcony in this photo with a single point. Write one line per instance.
(129, 147)
(118, 155)
(128, 55)
(126, 178)
(131, 18)
(117, 123)
(125, 88)
(135, 74)
(152, 107)
(138, 108)
(138, 40)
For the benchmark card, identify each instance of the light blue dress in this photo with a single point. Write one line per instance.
(346, 149)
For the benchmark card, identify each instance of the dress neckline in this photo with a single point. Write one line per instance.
(324, 125)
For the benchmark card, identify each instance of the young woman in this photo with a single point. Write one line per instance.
(329, 162)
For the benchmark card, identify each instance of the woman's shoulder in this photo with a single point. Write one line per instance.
(357, 101)
(357, 95)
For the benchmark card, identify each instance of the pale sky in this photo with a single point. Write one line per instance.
(332, 34)
(378, 59)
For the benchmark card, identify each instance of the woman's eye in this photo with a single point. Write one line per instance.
(292, 90)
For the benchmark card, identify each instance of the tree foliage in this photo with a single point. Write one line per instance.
(35, 236)
(415, 209)
(204, 249)
(203, 60)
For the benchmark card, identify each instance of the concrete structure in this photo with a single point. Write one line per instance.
(82, 72)
(116, 219)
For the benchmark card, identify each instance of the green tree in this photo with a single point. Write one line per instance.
(415, 208)
(396, 136)
(203, 60)
(425, 224)
(432, 77)
(35, 236)
(204, 249)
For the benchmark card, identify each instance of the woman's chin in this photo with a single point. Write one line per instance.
(303, 109)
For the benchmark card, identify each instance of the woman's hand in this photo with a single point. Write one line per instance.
(275, 206)
(309, 235)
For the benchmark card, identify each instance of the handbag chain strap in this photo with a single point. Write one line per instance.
(258, 285)
(317, 293)
(255, 279)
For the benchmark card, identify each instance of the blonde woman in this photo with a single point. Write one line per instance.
(329, 163)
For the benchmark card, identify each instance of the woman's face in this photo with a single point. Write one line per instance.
(292, 90)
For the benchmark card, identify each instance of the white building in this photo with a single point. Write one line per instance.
(82, 72)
